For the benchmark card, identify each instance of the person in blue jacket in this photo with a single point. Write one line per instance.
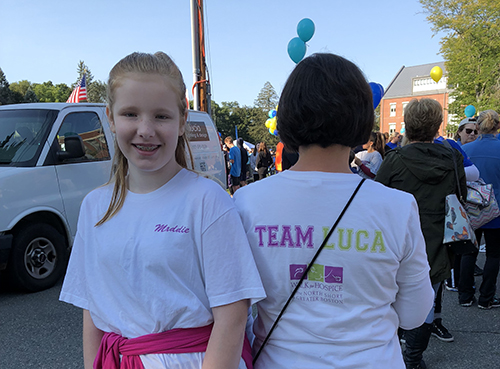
(471, 171)
(485, 153)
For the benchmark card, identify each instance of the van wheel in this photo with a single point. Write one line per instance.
(38, 257)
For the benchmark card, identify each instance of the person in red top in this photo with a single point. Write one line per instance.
(279, 152)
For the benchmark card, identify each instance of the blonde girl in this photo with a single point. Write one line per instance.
(160, 265)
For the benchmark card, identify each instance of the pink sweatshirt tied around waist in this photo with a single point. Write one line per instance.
(175, 341)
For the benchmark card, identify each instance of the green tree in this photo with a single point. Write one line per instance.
(5, 92)
(61, 92)
(30, 97)
(266, 100)
(376, 125)
(44, 91)
(471, 49)
(22, 86)
(97, 92)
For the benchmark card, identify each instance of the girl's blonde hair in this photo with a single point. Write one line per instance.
(158, 63)
(487, 122)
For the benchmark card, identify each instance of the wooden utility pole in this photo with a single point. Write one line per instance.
(201, 84)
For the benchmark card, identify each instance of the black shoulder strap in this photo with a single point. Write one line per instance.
(307, 270)
(447, 144)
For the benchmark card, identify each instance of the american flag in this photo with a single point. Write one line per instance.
(79, 93)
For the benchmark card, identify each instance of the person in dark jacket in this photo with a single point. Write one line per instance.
(427, 171)
(264, 160)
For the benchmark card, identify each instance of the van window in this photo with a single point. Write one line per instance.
(22, 132)
(88, 126)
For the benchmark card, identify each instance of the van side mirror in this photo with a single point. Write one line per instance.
(74, 148)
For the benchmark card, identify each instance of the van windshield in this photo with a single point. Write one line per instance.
(22, 134)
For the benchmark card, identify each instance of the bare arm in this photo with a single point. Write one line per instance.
(226, 341)
(92, 337)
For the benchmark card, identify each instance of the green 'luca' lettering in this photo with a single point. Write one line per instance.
(378, 242)
(362, 240)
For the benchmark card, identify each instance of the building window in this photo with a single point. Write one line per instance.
(393, 110)
(404, 107)
(392, 128)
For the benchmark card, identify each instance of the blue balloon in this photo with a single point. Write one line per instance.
(305, 29)
(272, 113)
(470, 110)
(296, 49)
(377, 93)
(275, 132)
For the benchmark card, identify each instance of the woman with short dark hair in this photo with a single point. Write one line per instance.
(372, 274)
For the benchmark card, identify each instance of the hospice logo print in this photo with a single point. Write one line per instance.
(317, 273)
(323, 283)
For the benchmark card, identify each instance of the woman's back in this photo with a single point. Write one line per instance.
(344, 314)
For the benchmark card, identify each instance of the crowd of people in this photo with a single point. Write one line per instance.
(245, 164)
(166, 266)
(415, 164)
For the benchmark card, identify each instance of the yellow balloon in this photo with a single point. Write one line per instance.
(268, 123)
(436, 73)
(272, 126)
(271, 132)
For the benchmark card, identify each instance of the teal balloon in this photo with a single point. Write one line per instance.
(470, 110)
(305, 29)
(272, 113)
(296, 49)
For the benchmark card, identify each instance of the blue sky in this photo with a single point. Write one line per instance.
(246, 40)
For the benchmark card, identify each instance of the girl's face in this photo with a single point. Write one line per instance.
(469, 133)
(147, 124)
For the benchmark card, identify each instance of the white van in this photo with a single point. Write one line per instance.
(51, 156)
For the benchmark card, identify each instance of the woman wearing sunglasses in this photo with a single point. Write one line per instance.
(467, 131)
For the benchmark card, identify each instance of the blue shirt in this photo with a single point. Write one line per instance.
(234, 154)
(485, 154)
(467, 161)
(392, 145)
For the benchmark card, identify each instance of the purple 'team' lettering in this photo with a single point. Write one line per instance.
(259, 229)
(304, 237)
(272, 230)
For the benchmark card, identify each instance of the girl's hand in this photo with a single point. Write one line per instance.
(357, 161)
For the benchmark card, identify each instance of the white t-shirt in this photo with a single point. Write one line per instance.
(372, 276)
(163, 261)
(372, 160)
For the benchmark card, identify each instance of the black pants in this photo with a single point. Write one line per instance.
(491, 267)
(262, 172)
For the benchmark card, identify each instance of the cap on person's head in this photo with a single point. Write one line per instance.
(467, 120)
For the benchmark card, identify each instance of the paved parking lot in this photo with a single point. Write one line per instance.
(38, 331)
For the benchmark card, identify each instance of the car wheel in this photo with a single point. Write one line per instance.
(38, 258)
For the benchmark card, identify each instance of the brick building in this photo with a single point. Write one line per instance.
(409, 83)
